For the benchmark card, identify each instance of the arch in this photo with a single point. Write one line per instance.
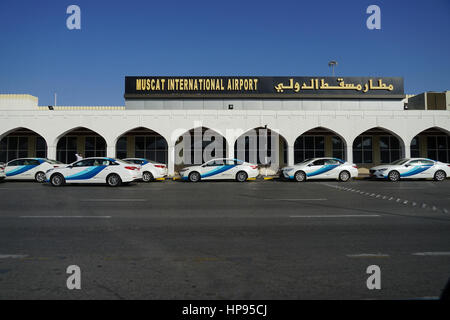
(432, 142)
(22, 142)
(198, 145)
(59, 136)
(263, 146)
(319, 142)
(142, 142)
(81, 140)
(377, 145)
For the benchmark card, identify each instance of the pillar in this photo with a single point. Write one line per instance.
(349, 153)
(110, 150)
(171, 160)
(51, 152)
(230, 149)
(290, 155)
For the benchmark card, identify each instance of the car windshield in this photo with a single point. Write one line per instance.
(123, 161)
(306, 160)
(53, 161)
(400, 161)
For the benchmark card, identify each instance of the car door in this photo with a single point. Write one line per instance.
(211, 170)
(34, 167)
(410, 170)
(428, 168)
(314, 170)
(331, 168)
(233, 166)
(15, 169)
(102, 167)
(80, 171)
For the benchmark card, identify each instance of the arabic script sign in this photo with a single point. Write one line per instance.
(263, 87)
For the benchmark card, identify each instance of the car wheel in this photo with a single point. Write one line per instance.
(40, 177)
(394, 176)
(241, 176)
(57, 180)
(300, 176)
(344, 176)
(113, 180)
(147, 176)
(194, 176)
(440, 175)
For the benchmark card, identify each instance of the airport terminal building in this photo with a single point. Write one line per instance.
(364, 120)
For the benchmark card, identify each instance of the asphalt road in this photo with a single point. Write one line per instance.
(225, 240)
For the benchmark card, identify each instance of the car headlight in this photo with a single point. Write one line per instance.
(382, 170)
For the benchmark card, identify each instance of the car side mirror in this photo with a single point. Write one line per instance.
(407, 165)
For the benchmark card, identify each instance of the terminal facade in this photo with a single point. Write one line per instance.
(359, 119)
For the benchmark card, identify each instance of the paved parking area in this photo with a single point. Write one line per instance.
(214, 240)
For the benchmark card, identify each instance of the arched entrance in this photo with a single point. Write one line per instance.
(262, 146)
(22, 143)
(376, 146)
(433, 143)
(199, 145)
(82, 141)
(319, 142)
(142, 143)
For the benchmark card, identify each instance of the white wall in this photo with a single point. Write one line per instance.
(111, 124)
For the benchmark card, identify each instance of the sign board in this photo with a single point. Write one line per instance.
(263, 87)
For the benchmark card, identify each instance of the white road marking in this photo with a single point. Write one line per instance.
(338, 216)
(113, 200)
(319, 199)
(442, 253)
(368, 255)
(13, 256)
(62, 217)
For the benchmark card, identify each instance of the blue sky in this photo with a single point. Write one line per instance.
(40, 56)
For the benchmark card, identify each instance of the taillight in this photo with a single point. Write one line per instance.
(159, 166)
(131, 168)
(254, 167)
(355, 166)
(55, 166)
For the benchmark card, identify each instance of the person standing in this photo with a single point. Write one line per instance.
(79, 156)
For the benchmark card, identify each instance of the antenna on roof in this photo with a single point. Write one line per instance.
(332, 64)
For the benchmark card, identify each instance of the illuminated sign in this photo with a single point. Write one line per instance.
(263, 87)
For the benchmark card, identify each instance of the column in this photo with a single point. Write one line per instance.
(171, 160)
(290, 155)
(349, 153)
(51, 152)
(111, 150)
(230, 149)
(407, 152)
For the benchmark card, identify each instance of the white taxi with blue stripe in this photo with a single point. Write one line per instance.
(320, 168)
(94, 170)
(150, 170)
(221, 168)
(411, 168)
(29, 168)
